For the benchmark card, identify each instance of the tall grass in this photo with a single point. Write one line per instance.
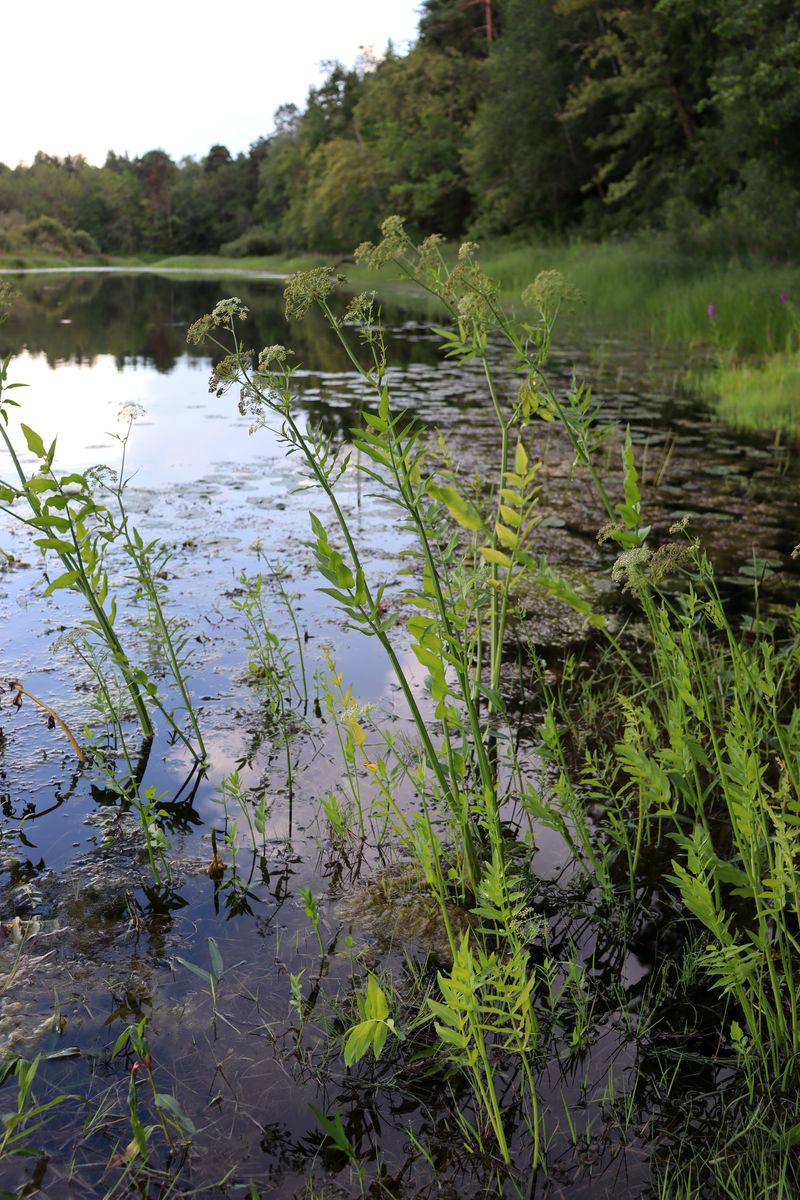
(646, 288)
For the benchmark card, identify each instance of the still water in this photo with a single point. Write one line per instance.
(111, 945)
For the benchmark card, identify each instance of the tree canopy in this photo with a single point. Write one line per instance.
(506, 116)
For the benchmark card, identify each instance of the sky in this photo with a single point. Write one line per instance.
(88, 76)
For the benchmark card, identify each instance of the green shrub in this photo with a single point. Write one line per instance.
(252, 242)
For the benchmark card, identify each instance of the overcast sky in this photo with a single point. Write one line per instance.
(88, 76)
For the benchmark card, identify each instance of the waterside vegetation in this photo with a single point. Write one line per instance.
(662, 760)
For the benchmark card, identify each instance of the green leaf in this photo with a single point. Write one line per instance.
(376, 1006)
(48, 521)
(64, 581)
(629, 512)
(510, 515)
(334, 1129)
(443, 1012)
(200, 972)
(55, 544)
(461, 510)
(358, 1042)
(508, 538)
(496, 556)
(35, 443)
(379, 1037)
(170, 1105)
(451, 1036)
(217, 966)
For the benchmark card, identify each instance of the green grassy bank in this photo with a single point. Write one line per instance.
(736, 321)
(639, 288)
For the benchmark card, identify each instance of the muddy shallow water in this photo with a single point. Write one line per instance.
(101, 943)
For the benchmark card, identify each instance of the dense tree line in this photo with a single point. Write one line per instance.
(505, 116)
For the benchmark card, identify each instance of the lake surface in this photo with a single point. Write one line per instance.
(109, 949)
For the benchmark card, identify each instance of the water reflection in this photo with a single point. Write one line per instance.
(141, 320)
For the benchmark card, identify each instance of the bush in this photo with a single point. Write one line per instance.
(84, 243)
(47, 233)
(254, 241)
(50, 236)
(755, 218)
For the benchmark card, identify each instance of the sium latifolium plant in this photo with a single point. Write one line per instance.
(679, 753)
(466, 557)
(78, 518)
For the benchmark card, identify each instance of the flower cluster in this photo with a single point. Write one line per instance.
(629, 570)
(306, 288)
(273, 356)
(473, 293)
(394, 241)
(222, 316)
(225, 373)
(672, 557)
(428, 253)
(549, 292)
(361, 310)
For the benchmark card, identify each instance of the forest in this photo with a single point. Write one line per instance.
(507, 117)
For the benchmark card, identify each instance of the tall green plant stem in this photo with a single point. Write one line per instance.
(74, 563)
(499, 605)
(324, 484)
(412, 508)
(138, 553)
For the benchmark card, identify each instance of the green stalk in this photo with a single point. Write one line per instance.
(86, 590)
(497, 622)
(146, 580)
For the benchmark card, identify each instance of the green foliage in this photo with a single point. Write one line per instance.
(701, 763)
(505, 116)
(374, 1027)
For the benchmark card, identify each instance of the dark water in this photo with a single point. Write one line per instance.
(109, 940)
